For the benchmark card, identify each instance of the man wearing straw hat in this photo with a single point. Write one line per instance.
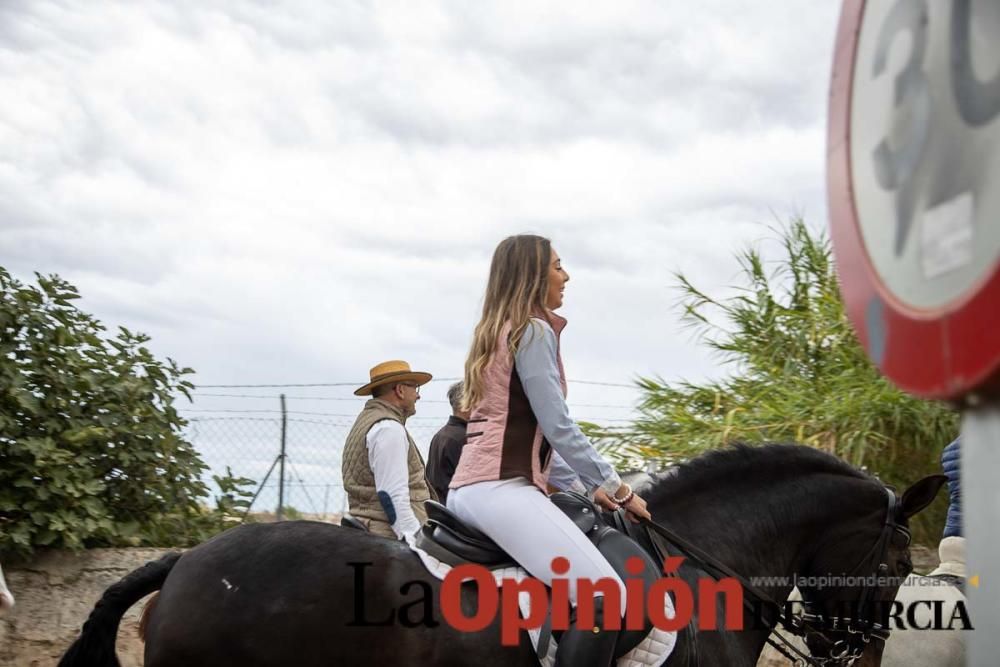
(383, 471)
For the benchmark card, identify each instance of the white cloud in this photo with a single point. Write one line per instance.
(293, 193)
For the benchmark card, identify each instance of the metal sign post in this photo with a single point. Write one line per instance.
(980, 510)
(913, 162)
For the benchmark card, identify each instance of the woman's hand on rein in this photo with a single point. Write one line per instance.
(636, 509)
(604, 501)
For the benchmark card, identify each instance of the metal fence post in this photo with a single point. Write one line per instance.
(281, 471)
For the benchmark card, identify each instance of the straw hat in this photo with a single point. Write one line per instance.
(391, 371)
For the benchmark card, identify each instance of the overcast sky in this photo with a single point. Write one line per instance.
(292, 193)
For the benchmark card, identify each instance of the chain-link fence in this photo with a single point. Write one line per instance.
(251, 448)
(243, 432)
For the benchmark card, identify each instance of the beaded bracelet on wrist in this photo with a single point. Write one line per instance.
(622, 502)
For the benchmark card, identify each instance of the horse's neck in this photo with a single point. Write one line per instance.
(754, 535)
(767, 531)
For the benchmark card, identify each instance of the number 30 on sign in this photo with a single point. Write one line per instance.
(914, 188)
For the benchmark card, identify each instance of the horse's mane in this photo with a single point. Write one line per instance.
(734, 465)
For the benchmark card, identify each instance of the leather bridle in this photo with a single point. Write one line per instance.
(841, 640)
(833, 640)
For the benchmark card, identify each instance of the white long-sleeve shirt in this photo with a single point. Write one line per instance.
(387, 453)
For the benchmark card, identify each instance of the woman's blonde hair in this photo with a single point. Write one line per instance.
(516, 290)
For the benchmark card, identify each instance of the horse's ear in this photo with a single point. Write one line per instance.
(921, 494)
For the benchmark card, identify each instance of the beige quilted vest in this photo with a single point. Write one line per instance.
(359, 480)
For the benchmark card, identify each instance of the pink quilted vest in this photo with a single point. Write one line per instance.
(504, 439)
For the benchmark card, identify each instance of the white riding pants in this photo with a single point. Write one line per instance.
(529, 527)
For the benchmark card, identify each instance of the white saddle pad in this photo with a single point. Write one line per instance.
(652, 651)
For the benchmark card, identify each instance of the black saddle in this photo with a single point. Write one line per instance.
(452, 541)
(348, 521)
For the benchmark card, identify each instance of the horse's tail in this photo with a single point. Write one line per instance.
(95, 647)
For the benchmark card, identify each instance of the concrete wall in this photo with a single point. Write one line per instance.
(55, 593)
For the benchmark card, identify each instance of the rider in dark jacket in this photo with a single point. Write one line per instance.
(951, 550)
(951, 463)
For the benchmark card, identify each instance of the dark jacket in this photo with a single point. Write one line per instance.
(951, 464)
(442, 459)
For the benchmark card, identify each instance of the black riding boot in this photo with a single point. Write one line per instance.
(587, 647)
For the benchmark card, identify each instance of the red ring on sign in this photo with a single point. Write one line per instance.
(944, 353)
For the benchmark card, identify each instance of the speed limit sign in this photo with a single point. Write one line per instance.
(914, 188)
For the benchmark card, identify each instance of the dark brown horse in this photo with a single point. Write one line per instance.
(313, 594)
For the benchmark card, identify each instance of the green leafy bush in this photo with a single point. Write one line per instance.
(91, 452)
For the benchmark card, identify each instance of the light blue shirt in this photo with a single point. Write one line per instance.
(576, 464)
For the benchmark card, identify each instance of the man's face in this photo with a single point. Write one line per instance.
(409, 394)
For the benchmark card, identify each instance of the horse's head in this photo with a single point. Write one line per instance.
(846, 617)
(807, 518)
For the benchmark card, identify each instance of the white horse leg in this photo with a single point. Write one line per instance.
(6, 598)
